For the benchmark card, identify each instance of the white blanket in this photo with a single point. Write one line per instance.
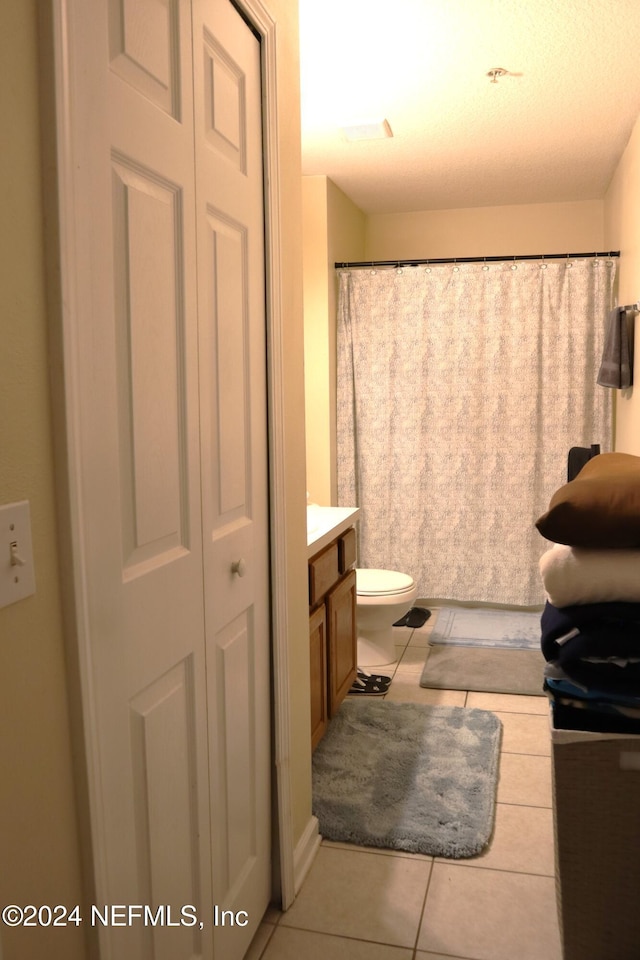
(572, 575)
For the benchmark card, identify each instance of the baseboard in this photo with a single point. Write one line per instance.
(305, 851)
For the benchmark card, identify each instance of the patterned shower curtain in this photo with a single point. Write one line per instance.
(461, 389)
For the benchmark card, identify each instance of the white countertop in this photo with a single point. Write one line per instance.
(324, 524)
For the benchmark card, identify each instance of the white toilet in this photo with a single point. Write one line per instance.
(383, 596)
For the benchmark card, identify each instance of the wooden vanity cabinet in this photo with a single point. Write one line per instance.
(318, 651)
(332, 629)
(342, 640)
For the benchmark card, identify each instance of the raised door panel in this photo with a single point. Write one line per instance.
(347, 549)
(318, 674)
(144, 49)
(163, 719)
(225, 104)
(341, 618)
(233, 752)
(150, 331)
(324, 572)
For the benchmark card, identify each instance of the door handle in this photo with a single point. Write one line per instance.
(239, 567)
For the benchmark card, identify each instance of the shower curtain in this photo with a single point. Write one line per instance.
(461, 388)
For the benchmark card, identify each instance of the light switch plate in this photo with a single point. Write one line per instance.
(17, 577)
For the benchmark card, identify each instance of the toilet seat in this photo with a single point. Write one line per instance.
(382, 583)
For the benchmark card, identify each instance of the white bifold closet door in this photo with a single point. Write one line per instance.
(170, 424)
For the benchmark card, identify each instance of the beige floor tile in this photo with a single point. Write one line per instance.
(420, 636)
(490, 915)
(522, 841)
(401, 636)
(406, 683)
(379, 851)
(406, 688)
(420, 639)
(259, 942)
(400, 652)
(272, 914)
(413, 661)
(386, 668)
(525, 733)
(405, 673)
(508, 703)
(362, 895)
(524, 780)
(289, 944)
(420, 955)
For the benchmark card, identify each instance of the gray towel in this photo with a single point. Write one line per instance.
(615, 369)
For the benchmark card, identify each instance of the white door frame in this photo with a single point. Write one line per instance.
(62, 211)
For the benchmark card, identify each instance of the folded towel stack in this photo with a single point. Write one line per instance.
(591, 620)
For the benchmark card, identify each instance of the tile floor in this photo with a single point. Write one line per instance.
(359, 903)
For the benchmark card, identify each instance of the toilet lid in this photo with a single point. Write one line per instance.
(388, 582)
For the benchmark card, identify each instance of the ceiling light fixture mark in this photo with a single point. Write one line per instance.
(496, 72)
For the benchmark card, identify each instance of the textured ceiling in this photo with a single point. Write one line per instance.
(553, 129)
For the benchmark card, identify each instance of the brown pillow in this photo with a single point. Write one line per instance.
(600, 508)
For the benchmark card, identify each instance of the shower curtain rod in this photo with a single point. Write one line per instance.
(416, 263)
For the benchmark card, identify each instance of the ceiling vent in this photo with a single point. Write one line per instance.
(367, 130)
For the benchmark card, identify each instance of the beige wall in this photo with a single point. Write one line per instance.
(285, 12)
(573, 227)
(345, 241)
(316, 338)
(622, 231)
(39, 845)
(333, 230)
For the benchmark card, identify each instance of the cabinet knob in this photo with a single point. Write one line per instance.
(239, 567)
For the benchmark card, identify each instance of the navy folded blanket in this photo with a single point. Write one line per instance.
(600, 630)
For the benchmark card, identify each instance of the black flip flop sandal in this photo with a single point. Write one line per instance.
(416, 617)
(376, 677)
(368, 688)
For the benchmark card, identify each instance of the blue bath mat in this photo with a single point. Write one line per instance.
(407, 776)
(487, 627)
(485, 649)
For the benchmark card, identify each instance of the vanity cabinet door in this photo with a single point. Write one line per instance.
(318, 655)
(341, 627)
(324, 571)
